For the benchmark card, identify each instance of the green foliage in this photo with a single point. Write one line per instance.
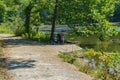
(116, 16)
(68, 58)
(103, 30)
(91, 54)
(4, 29)
(2, 11)
(84, 12)
(92, 17)
(111, 60)
(117, 37)
(107, 30)
(19, 32)
(105, 61)
(82, 67)
(39, 36)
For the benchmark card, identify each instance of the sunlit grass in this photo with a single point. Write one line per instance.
(5, 30)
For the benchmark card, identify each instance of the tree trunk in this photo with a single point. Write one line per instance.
(27, 19)
(53, 21)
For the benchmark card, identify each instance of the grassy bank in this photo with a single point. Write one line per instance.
(96, 64)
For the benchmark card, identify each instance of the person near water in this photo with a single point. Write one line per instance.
(62, 37)
(58, 38)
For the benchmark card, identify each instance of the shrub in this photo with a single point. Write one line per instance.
(91, 55)
(19, 32)
(110, 60)
(37, 36)
(4, 29)
(105, 61)
(68, 58)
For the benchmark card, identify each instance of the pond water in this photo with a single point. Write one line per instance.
(111, 45)
(103, 46)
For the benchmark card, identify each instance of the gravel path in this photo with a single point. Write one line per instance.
(28, 60)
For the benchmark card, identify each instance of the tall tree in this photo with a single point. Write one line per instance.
(54, 16)
(31, 12)
(27, 18)
(86, 13)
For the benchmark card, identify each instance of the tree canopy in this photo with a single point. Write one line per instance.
(92, 16)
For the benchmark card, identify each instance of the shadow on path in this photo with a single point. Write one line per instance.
(18, 64)
(21, 42)
(17, 41)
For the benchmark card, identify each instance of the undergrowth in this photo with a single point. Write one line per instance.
(5, 30)
(37, 36)
(100, 65)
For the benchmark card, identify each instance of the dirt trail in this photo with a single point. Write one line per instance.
(28, 60)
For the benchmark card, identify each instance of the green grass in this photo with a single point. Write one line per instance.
(5, 30)
(37, 36)
(73, 59)
(96, 72)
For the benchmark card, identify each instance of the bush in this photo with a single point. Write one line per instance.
(107, 65)
(111, 60)
(91, 55)
(68, 58)
(105, 61)
(4, 29)
(39, 36)
(19, 32)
